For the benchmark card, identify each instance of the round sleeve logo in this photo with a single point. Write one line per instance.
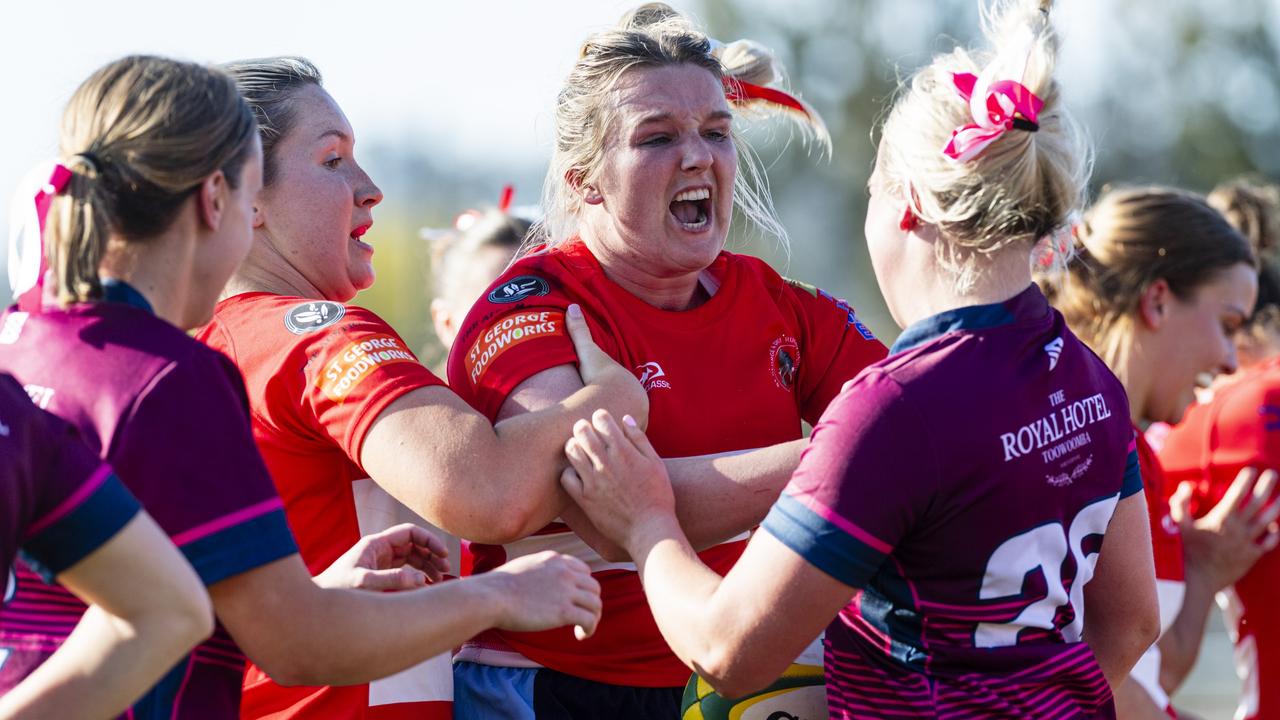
(518, 288)
(312, 316)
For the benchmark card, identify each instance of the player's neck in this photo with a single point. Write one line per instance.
(928, 291)
(674, 292)
(160, 268)
(267, 270)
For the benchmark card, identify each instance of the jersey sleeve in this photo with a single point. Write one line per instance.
(837, 346)
(504, 341)
(188, 448)
(77, 502)
(353, 372)
(856, 493)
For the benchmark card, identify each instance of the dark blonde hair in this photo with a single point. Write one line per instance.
(268, 85)
(1253, 208)
(650, 36)
(139, 136)
(1129, 239)
(1022, 187)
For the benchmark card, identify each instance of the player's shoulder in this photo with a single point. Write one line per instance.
(249, 325)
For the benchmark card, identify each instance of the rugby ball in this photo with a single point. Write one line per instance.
(800, 694)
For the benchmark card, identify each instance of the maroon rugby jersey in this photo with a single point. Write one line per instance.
(740, 371)
(171, 417)
(58, 500)
(963, 485)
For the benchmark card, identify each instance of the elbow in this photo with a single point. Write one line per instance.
(294, 669)
(734, 675)
(513, 522)
(1146, 626)
(191, 621)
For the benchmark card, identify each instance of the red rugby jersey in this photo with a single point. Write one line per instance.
(1239, 427)
(740, 371)
(318, 373)
(1166, 545)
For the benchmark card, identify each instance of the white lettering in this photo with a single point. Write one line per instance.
(1070, 419)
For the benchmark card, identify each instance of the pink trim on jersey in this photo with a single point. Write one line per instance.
(186, 680)
(226, 521)
(844, 524)
(72, 501)
(1133, 445)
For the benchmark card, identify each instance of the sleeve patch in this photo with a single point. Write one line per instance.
(519, 288)
(312, 316)
(508, 332)
(358, 360)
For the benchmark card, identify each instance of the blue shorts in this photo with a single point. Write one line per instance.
(486, 692)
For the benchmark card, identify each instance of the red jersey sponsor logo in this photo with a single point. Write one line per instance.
(312, 316)
(508, 332)
(784, 361)
(358, 360)
(652, 377)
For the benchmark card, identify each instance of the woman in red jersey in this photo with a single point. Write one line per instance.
(639, 198)
(65, 510)
(354, 431)
(968, 509)
(162, 165)
(1235, 427)
(1159, 286)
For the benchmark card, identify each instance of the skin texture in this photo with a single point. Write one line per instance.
(127, 639)
(670, 133)
(305, 220)
(1163, 366)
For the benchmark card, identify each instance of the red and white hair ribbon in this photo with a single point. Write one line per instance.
(28, 264)
(997, 106)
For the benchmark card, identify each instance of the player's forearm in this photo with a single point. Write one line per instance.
(105, 664)
(704, 631)
(720, 496)
(345, 637)
(1180, 644)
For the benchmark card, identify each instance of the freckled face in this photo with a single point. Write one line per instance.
(320, 202)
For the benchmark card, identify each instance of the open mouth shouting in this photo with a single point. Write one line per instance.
(692, 209)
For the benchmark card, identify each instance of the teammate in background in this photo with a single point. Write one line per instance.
(151, 211)
(982, 564)
(639, 198)
(65, 510)
(466, 260)
(1238, 427)
(352, 428)
(1154, 267)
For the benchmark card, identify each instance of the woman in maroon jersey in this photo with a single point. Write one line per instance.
(64, 509)
(643, 185)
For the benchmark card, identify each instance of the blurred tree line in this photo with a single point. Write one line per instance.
(1184, 93)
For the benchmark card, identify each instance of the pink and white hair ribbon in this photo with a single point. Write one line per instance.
(997, 106)
(27, 261)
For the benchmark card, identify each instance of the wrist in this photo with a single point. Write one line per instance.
(492, 596)
(650, 531)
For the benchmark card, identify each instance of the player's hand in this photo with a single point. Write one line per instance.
(1221, 546)
(619, 481)
(544, 591)
(398, 558)
(597, 368)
